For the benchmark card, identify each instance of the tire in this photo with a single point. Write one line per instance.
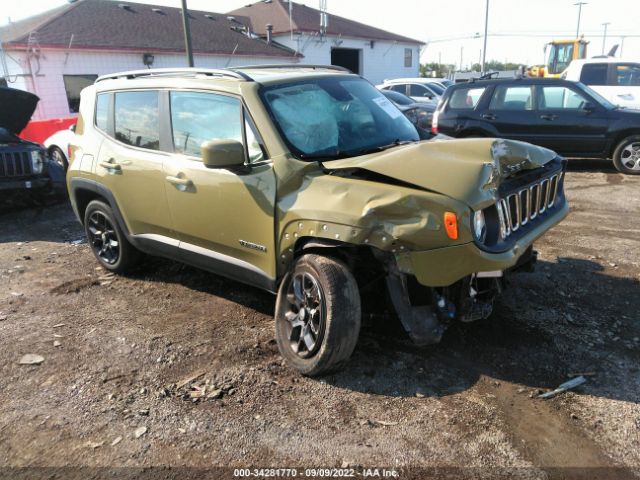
(58, 156)
(626, 157)
(331, 318)
(101, 227)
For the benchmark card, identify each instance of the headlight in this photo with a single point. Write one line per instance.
(479, 226)
(37, 161)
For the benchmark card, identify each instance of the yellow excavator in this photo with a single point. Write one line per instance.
(558, 55)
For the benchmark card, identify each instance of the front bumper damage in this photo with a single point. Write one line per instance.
(468, 299)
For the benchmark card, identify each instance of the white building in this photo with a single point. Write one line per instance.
(325, 39)
(59, 52)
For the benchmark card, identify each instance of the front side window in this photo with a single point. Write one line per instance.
(73, 85)
(554, 98)
(102, 111)
(466, 98)
(419, 91)
(336, 117)
(512, 98)
(561, 57)
(137, 121)
(594, 74)
(200, 117)
(628, 75)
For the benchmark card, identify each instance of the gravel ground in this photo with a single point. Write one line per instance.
(173, 367)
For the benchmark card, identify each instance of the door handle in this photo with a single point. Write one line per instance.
(488, 116)
(549, 117)
(110, 165)
(182, 182)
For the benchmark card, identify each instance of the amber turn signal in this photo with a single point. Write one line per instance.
(451, 225)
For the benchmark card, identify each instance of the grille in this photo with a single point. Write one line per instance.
(15, 164)
(520, 208)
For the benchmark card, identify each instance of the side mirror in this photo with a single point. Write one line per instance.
(222, 154)
(588, 107)
(73, 127)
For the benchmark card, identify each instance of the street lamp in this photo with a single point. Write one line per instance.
(486, 26)
(579, 5)
(604, 37)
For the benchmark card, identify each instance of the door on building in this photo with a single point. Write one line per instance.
(348, 58)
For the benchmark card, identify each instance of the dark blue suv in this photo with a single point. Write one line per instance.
(565, 116)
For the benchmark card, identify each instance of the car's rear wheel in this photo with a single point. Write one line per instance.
(318, 315)
(106, 239)
(58, 156)
(626, 157)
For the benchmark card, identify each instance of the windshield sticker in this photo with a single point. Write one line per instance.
(388, 107)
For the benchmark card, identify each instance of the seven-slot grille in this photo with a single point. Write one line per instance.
(15, 164)
(518, 209)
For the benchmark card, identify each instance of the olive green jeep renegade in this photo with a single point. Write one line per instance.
(307, 182)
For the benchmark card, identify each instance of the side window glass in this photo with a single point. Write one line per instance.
(594, 74)
(102, 111)
(512, 98)
(200, 117)
(466, 98)
(628, 75)
(399, 88)
(254, 147)
(137, 120)
(561, 98)
(419, 91)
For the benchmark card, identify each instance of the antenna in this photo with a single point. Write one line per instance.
(324, 18)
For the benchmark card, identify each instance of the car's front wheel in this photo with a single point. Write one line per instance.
(318, 315)
(626, 157)
(107, 240)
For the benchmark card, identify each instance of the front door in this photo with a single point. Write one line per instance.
(224, 219)
(569, 122)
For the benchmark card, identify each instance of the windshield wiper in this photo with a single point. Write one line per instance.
(382, 148)
(324, 156)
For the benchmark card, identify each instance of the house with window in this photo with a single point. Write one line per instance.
(326, 39)
(57, 53)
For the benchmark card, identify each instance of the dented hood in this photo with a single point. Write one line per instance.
(17, 106)
(469, 170)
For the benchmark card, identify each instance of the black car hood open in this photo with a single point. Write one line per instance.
(16, 108)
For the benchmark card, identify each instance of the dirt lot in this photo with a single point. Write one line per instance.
(119, 354)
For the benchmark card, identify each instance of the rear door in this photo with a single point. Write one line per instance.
(511, 112)
(130, 160)
(566, 124)
(224, 218)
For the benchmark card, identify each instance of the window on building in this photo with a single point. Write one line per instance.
(594, 74)
(137, 119)
(73, 85)
(102, 111)
(512, 98)
(200, 117)
(466, 98)
(408, 57)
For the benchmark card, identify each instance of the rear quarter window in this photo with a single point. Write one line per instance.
(594, 74)
(466, 98)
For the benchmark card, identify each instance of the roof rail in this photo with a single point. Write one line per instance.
(157, 72)
(290, 65)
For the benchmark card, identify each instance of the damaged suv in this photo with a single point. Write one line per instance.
(307, 182)
(25, 169)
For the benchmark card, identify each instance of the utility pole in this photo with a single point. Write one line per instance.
(604, 38)
(187, 32)
(486, 26)
(579, 5)
(461, 54)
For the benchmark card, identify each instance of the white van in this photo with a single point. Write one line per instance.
(615, 79)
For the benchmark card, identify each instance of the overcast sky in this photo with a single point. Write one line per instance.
(518, 29)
